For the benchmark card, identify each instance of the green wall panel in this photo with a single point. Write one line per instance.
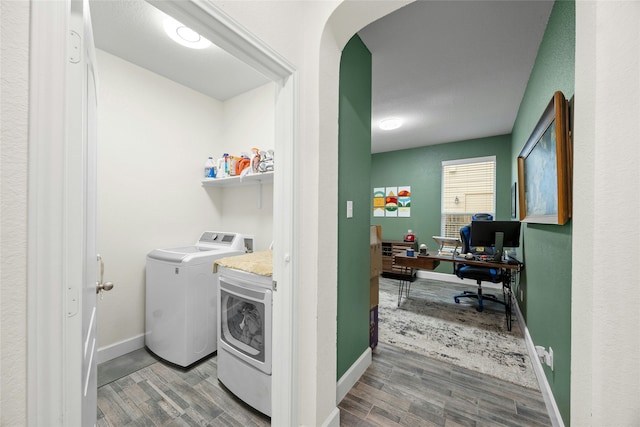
(354, 168)
(421, 168)
(546, 249)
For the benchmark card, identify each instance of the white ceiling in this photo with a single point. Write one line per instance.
(132, 30)
(453, 70)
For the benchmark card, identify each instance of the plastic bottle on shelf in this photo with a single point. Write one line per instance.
(242, 164)
(220, 168)
(255, 160)
(233, 161)
(209, 168)
(226, 164)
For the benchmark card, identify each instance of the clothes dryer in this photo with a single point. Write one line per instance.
(181, 297)
(245, 323)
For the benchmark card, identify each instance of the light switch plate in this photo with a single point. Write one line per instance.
(349, 208)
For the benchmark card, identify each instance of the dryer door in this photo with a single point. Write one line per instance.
(245, 322)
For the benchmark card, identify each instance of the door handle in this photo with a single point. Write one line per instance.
(101, 285)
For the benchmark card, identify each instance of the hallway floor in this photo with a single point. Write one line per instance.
(399, 389)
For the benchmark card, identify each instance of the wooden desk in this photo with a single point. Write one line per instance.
(430, 262)
(422, 262)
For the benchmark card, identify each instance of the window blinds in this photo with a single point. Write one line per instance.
(468, 187)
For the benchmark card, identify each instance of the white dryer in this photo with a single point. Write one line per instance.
(245, 323)
(181, 297)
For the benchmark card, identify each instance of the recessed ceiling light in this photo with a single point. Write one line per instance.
(184, 35)
(390, 124)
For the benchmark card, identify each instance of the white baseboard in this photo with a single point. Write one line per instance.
(351, 377)
(118, 349)
(333, 420)
(452, 278)
(547, 394)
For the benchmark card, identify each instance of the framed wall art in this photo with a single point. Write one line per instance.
(544, 167)
(514, 200)
(392, 201)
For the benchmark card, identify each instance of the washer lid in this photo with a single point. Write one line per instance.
(176, 254)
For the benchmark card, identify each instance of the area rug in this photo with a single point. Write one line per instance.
(430, 323)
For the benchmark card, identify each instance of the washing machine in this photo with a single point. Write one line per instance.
(181, 297)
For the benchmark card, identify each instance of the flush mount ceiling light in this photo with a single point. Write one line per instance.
(184, 35)
(390, 124)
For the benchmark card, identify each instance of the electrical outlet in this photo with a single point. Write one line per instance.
(545, 356)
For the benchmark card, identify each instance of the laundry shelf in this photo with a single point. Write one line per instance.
(236, 181)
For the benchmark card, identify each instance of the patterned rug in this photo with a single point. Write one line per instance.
(429, 322)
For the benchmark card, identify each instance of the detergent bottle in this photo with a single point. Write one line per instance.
(209, 168)
(220, 168)
(226, 164)
(233, 161)
(255, 160)
(242, 164)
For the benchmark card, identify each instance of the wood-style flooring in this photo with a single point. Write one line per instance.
(405, 389)
(164, 395)
(398, 389)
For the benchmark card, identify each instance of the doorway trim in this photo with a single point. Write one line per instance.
(46, 214)
(48, 388)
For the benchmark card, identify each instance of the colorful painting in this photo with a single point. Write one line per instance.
(392, 201)
(378, 201)
(404, 202)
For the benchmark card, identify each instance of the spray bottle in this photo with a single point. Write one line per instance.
(209, 168)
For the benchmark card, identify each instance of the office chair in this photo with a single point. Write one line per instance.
(479, 274)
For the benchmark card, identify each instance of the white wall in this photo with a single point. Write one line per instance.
(248, 121)
(153, 139)
(605, 351)
(14, 74)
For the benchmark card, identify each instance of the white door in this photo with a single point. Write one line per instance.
(82, 142)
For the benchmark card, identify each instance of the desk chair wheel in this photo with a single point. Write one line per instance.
(479, 296)
(464, 294)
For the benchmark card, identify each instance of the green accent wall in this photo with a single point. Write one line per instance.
(421, 168)
(546, 249)
(545, 284)
(354, 168)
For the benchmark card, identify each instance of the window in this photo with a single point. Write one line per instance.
(468, 187)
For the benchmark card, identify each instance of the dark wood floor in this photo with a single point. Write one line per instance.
(399, 388)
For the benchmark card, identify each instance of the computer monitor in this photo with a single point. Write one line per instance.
(496, 234)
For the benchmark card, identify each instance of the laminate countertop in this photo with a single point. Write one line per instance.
(260, 263)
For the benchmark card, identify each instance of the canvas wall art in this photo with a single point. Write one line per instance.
(392, 201)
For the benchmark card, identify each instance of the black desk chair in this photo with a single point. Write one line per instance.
(479, 274)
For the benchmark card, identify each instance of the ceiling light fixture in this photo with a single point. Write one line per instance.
(390, 123)
(184, 35)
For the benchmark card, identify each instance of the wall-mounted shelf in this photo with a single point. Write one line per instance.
(236, 181)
